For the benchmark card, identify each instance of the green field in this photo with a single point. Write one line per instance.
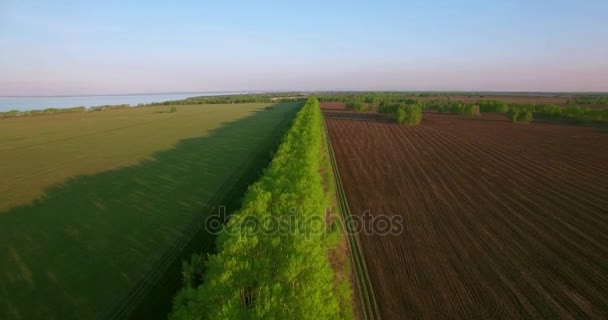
(90, 201)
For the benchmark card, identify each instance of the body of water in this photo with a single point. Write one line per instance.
(37, 103)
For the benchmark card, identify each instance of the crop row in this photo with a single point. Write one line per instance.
(261, 271)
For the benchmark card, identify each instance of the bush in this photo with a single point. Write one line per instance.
(493, 106)
(356, 105)
(408, 114)
(173, 109)
(465, 109)
(442, 109)
(387, 108)
(524, 116)
(513, 115)
(472, 110)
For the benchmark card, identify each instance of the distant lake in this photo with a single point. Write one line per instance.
(32, 103)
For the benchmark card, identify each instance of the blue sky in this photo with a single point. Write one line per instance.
(104, 47)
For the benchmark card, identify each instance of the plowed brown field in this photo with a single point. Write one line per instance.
(501, 220)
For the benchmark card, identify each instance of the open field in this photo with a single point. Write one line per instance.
(501, 220)
(90, 201)
(40, 151)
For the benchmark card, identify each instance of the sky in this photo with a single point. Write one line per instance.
(115, 47)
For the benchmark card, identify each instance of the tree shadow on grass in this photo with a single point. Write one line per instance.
(95, 240)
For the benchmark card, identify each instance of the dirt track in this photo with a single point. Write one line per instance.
(501, 220)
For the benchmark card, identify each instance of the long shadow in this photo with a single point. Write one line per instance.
(111, 244)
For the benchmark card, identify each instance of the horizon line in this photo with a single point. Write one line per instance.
(234, 92)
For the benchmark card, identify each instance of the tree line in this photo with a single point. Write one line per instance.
(518, 112)
(589, 99)
(271, 275)
(233, 99)
(18, 113)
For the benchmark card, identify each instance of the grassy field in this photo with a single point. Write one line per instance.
(90, 201)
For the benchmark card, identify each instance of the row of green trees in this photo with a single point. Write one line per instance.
(465, 109)
(403, 113)
(357, 106)
(589, 99)
(272, 275)
(17, 113)
(448, 106)
(520, 116)
(494, 106)
(544, 111)
(233, 99)
(551, 111)
(109, 107)
(409, 114)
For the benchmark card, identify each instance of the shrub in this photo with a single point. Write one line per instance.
(465, 109)
(408, 114)
(493, 106)
(173, 109)
(513, 115)
(524, 116)
(472, 110)
(356, 105)
(387, 108)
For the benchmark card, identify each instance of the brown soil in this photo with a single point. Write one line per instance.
(501, 220)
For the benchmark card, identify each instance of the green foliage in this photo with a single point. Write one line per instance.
(273, 275)
(465, 109)
(408, 114)
(403, 113)
(589, 99)
(520, 115)
(442, 109)
(389, 100)
(173, 109)
(109, 107)
(493, 106)
(236, 98)
(17, 113)
(10, 114)
(513, 115)
(192, 271)
(356, 105)
(387, 108)
(442, 106)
